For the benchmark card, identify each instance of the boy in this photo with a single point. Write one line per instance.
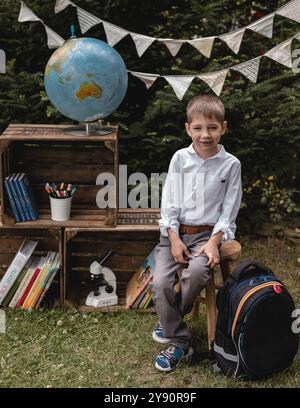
(191, 234)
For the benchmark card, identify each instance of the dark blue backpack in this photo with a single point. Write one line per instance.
(254, 336)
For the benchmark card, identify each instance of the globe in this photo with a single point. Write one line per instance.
(86, 79)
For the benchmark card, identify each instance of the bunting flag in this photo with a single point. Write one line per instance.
(53, 39)
(215, 80)
(179, 83)
(249, 68)
(2, 62)
(233, 39)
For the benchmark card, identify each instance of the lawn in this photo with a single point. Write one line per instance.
(52, 348)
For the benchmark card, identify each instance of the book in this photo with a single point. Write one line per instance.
(30, 298)
(16, 284)
(33, 273)
(45, 291)
(11, 200)
(140, 280)
(28, 196)
(43, 282)
(21, 198)
(23, 283)
(16, 266)
(16, 197)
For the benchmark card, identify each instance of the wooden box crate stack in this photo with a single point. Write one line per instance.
(47, 154)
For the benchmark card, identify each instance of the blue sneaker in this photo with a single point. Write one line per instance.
(158, 335)
(171, 358)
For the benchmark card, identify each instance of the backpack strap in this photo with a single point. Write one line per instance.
(249, 268)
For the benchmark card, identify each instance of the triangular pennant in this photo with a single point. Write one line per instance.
(86, 20)
(249, 68)
(114, 34)
(215, 80)
(53, 39)
(60, 5)
(172, 45)
(26, 14)
(142, 42)
(2, 62)
(290, 10)
(148, 79)
(281, 53)
(263, 26)
(234, 39)
(203, 45)
(179, 83)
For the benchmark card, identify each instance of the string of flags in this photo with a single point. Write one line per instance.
(53, 39)
(2, 62)
(281, 53)
(204, 45)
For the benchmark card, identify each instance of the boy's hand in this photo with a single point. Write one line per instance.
(212, 251)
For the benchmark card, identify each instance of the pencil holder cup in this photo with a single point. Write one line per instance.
(60, 208)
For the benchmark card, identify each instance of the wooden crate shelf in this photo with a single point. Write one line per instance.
(46, 153)
(131, 245)
(48, 240)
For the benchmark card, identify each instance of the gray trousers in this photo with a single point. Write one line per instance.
(171, 306)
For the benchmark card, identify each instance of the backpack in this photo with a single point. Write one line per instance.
(254, 337)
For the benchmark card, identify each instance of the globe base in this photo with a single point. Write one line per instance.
(89, 129)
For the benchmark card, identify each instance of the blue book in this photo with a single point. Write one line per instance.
(12, 202)
(21, 198)
(29, 196)
(13, 188)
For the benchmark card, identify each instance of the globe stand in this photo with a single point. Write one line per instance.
(90, 129)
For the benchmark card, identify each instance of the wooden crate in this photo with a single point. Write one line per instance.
(46, 153)
(48, 240)
(131, 245)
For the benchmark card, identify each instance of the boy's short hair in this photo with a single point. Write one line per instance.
(209, 106)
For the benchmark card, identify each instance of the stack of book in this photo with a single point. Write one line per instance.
(21, 197)
(28, 278)
(138, 290)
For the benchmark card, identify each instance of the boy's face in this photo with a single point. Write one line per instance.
(205, 133)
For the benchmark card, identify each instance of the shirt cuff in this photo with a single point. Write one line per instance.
(228, 234)
(165, 224)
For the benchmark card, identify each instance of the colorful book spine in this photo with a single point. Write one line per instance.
(14, 287)
(52, 270)
(32, 280)
(48, 284)
(149, 300)
(21, 197)
(16, 267)
(11, 200)
(24, 283)
(16, 196)
(29, 196)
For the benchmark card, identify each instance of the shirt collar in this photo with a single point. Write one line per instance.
(221, 153)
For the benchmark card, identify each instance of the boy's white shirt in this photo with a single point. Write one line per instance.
(218, 201)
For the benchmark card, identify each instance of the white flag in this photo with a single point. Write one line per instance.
(2, 62)
(26, 14)
(249, 68)
(263, 26)
(179, 83)
(290, 10)
(148, 79)
(53, 39)
(60, 5)
(142, 42)
(204, 45)
(281, 53)
(215, 80)
(234, 39)
(86, 20)
(114, 34)
(172, 45)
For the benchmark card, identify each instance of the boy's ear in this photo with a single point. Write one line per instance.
(224, 128)
(187, 128)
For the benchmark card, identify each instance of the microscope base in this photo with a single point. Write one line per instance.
(100, 300)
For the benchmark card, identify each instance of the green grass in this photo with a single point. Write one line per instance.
(70, 349)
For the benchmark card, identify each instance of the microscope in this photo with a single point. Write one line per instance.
(103, 282)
